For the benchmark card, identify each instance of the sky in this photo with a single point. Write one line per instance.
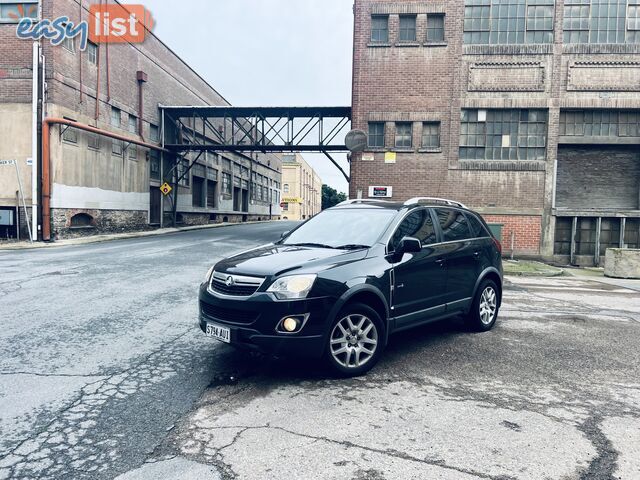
(267, 52)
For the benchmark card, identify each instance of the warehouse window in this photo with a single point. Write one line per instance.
(376, 134)
(633, 17)
(183, 174)
(154, 164)
(93, 141)
(602, 21)
(380, 28)
(12, 12)
(404, 133)
(92, 53)
(435, 28)
(69, 44)
(407, 28)
(70, 134)
(226, 184)
(116, 116)
(539, 23)
(154, 134)
(502, 22)
(503, 134)
(577, 14)
(600, 123)
(116, 147)
(431, 135)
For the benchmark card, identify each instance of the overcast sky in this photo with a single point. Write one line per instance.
(266, 52)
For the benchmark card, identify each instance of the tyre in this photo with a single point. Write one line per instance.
(355, 341)
(484, 309)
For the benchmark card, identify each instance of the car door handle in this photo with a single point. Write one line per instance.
(476, 254)
(440, 262)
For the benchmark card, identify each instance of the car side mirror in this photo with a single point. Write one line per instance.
(284, 234)
(409, 245)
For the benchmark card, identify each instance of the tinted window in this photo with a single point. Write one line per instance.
(477, 229)
(453, 223)
(343, 226)
(417, 224)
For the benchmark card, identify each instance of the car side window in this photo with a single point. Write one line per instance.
(453, 224)
(417, 224)
(477, 229)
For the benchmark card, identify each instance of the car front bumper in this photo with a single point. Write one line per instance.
(253, 322)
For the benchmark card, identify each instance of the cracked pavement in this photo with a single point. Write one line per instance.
(104, 374)
(100, 354)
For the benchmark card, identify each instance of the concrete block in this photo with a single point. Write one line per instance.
(622, 263)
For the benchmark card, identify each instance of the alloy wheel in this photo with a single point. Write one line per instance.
(354, 341)
(488, 305)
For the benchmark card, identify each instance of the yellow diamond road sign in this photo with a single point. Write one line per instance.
(166, 188)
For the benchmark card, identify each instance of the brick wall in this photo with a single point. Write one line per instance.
(74, 88)
(525, 229)
(416, 83)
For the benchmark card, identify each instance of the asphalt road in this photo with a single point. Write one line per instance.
(104, 374)
(100, 354)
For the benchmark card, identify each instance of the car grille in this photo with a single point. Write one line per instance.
(239, 286)
(230, 315)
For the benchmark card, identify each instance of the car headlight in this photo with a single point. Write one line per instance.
(292, 287)
(208, 276)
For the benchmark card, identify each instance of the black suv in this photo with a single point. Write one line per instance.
(340, 283)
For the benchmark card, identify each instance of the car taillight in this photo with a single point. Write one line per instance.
(498, 245)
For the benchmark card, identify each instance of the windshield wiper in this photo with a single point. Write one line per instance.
(352, 246)
(318, 245)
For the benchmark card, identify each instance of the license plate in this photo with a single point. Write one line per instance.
(218, 332)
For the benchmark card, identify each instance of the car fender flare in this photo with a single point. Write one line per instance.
(356, 289)
(482, 276)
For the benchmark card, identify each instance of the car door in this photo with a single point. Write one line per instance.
(460, 257)
(419, 279)
(481, 242)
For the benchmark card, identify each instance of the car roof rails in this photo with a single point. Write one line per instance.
(433, 200)
(362, 200)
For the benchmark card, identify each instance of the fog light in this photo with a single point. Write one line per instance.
(290, 324)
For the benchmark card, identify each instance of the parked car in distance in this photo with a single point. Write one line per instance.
(340, 283)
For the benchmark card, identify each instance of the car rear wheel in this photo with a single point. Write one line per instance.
(355, 341)
(484, 310)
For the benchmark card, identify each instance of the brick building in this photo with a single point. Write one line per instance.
(301, 188)
(99, 184)
(527, 111)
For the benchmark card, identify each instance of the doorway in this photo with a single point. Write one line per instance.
(155, 205)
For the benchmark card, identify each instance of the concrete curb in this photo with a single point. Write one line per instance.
(118, 236)
(544, 273)
(540, 270)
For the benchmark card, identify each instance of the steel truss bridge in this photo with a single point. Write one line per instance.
(255, 129)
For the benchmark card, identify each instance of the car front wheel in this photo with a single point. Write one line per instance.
(484, 310)
(355, 341)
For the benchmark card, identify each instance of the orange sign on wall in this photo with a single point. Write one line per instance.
(115, 23)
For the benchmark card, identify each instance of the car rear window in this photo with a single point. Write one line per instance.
(454, 224)
(477, 229)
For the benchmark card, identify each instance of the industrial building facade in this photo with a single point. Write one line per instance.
(100, 184)
(301, 188)
(527, 111)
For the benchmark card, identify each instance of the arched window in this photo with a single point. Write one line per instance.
(81, 220)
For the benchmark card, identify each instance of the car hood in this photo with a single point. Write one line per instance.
(278, 259)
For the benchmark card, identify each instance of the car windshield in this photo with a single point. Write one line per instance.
(347, 228)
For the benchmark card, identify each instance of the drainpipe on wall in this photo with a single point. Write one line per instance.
(46, 161)
(141, 77)
(34, 137)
